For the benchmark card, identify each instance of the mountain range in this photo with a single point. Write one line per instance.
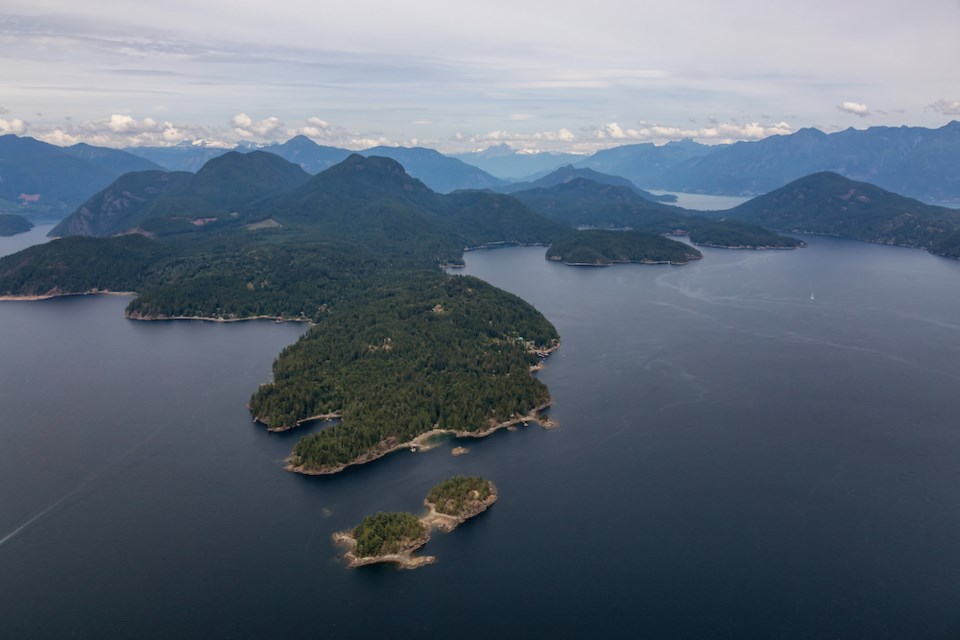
(44, 181)
(913, 161)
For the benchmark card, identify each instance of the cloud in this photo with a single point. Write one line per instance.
(15, 126)
(120, 130)
(946, 107)
(856, 108)
(266, 129)
(717, 132)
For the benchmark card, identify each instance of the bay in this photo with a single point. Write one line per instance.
(759, 444)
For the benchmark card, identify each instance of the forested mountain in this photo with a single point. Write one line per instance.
(831, 204)
(44, 181)
(180, 200)
(569, 172)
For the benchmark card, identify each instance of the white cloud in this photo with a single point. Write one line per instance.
(15, 126)
(856, 108)
(946, 107)
(266, 129)
(120, 130)
(717, 132)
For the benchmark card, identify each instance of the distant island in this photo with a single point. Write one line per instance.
(11, 224)
(736, 234)
(394, 537)
(603, 247)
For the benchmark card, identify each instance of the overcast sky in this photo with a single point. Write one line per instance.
(457, 76)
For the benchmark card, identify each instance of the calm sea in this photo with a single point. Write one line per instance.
(756, 445)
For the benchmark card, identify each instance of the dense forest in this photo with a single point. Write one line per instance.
(397, 346)
(604, 247)
(458, 496)
(389, 533)
(829, 203)
(447, 352)
(735, 234)
(11, 224)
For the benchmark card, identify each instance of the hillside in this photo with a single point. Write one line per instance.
(180, 201)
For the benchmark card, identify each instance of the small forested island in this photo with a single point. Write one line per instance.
(603, 247)
(386, 537)
(394, 537)
(735, 234)
(458, 499)
(11, 224)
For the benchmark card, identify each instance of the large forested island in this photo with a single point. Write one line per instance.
(396, 349)
(603, 247)
(394, 537)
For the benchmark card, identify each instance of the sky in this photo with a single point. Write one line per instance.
(462, 76)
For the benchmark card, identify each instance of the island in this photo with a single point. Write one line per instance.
(603, 247)
(392, 538)
(11, 224)
(454, 501)
(386, 538)
(736, 234)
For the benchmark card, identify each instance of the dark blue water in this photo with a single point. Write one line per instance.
(736, 460)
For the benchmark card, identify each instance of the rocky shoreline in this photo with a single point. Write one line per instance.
(404, 559)
(422, 443)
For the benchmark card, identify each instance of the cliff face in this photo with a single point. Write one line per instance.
(122, 205)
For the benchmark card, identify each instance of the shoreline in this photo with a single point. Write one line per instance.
(431, 520)
(162, 318)
(421, 443)
(446, 522)
(404, 559)
(333, 415)
(58, 294)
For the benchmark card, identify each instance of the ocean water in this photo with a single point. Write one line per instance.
(756, 445)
